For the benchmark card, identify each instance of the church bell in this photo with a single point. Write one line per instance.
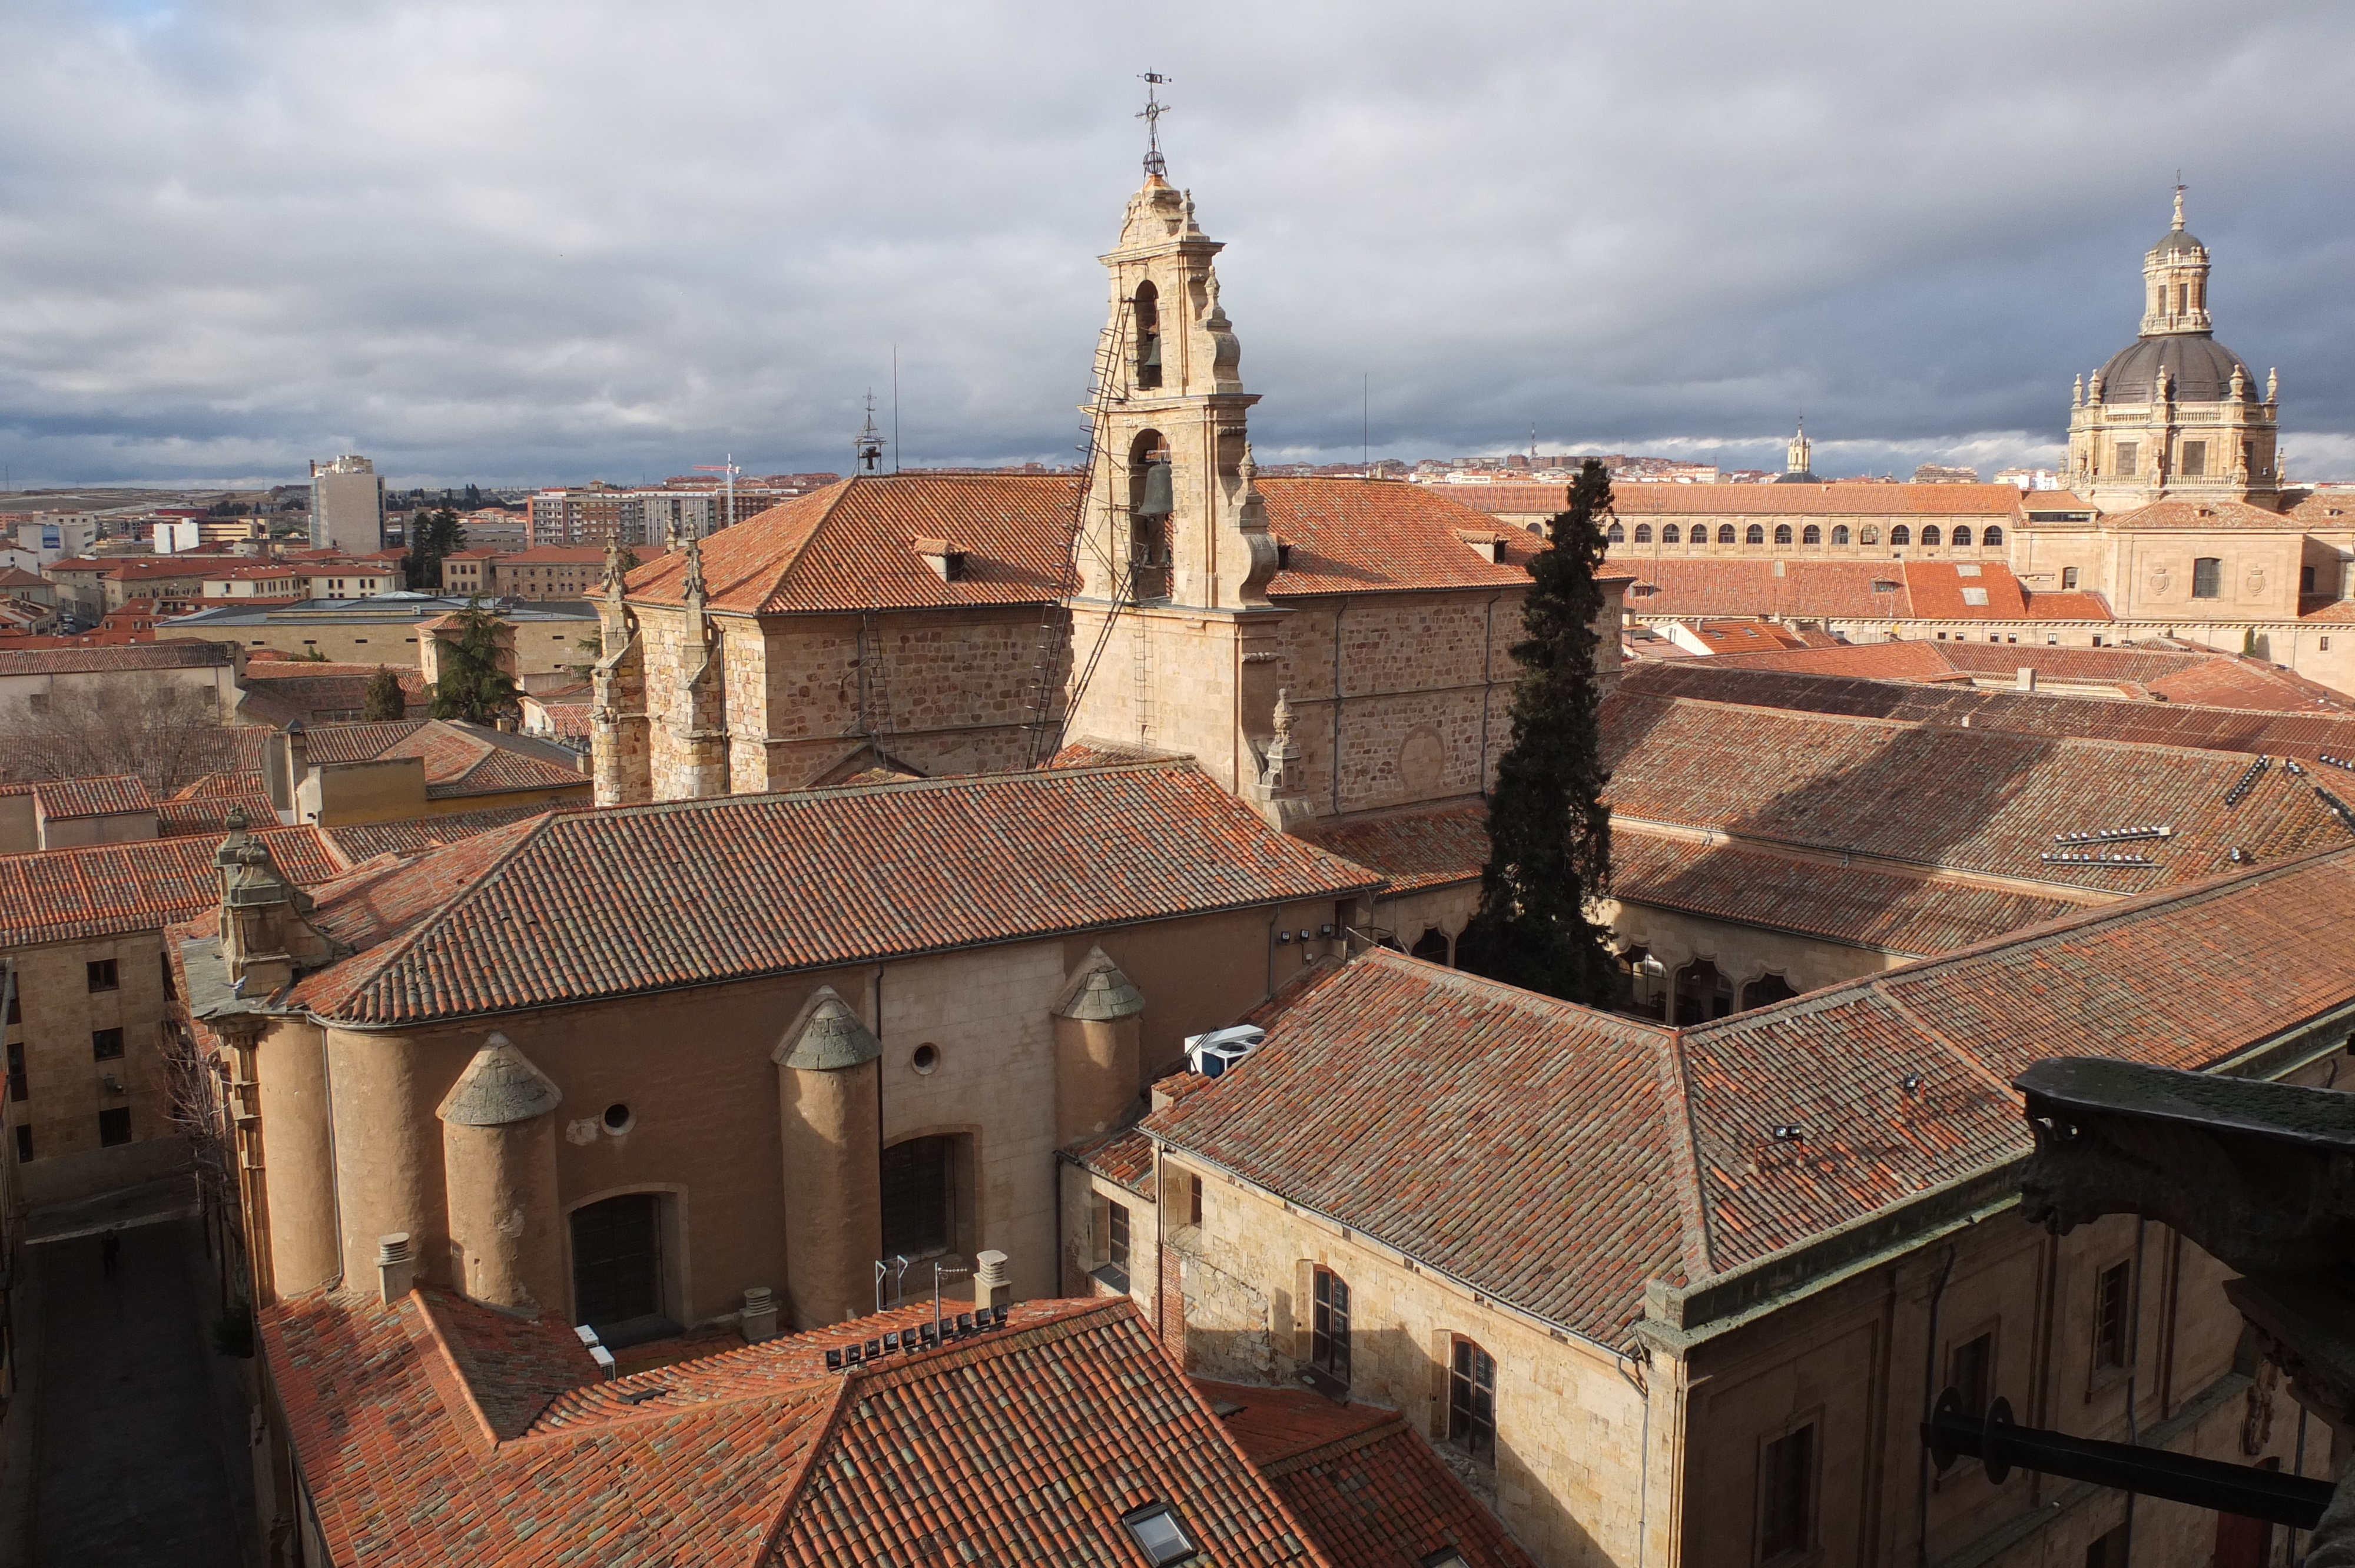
(1150, 360)
(1156, 502)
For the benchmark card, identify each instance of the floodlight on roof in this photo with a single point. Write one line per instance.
(1790, 1132)
(2113, 835)
(834, 1361)
(2102, 857)
(2337, 762)
(1159, 1534)
(2337, 807)
(2246, 782)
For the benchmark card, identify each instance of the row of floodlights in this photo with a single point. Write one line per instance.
(2247, 781)
(2113, 835)
(2100, 857)
(923, 1337)
(2339, 762)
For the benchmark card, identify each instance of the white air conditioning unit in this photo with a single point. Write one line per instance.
(1213, 1053)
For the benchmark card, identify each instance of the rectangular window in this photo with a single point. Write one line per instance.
(16, 1006)
(1116, 1236)
(2306, 579)
(24, 1144)
(18, 1091)
(2207, 577)
(114, 1126)
(2107, 1551)
(2125, 464)
(1471, 1401)
(101, 975)
(1329, 1340)
(2113, 1295)
(164, 962)
(2068, 577)
(1970, 1370)
(1194, 1183)
(1786, 1496)
(105, 1044)
(2195, 459)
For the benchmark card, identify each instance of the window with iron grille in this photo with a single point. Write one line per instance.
(18, 1091)
(1472, 1400)
(2113, 1295)
(1787, 1485)
(1329, 1340)
(105, 1044)
(1970, 1373)
(2207, 577)
(114, 1126)
(102, 974)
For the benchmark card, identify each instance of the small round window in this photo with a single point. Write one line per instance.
(618, 1118)
(925, 1058)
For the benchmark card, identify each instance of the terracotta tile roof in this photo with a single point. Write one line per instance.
(17, 577)
(460, 759)
(2301, 735)
(1976, 799)
(64, 799)
(2067, 605)
(1849, 590)
(1412, 850)
(415, 836)
(2194, 516)
(2331, 611)
(436, 1431)
(1631, 1152)
(1744, 636)
(1904, 660)
(1855, 904)
(846, 547)
(179, 654)
(57, 895)
(1124, 1156)
(582, 903)
(1355, 535)
(1362, 1482)
(203, 806)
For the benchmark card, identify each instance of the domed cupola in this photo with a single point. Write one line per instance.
(2174, 412)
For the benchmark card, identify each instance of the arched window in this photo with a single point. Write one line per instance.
(1148, 335)
(1668, 534)
(1811, 534)
(1871, 535)
(1472, 1400)
(1754, 534)
(1930, 534)
(1328, 1328)
(1616, 535)
(1644, 534)
(617, 1268)
(1994, 535)
(1840, 533)
(1901, 535)
(1430, 947)
(1783, 533)
(1725, 532)
(1640, 991)
(1765, 991)
(1962, 534)
(1702, 993)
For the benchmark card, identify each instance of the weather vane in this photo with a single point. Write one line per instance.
(1151, 114)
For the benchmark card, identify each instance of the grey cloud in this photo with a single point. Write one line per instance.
(530, 240)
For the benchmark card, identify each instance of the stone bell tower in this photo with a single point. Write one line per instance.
(1173, 634)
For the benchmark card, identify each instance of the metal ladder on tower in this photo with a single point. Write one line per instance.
(1058, 626)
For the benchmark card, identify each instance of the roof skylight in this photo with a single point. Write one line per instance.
(1158, 1534)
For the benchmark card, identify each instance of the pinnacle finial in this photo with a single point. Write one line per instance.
(1155, 166)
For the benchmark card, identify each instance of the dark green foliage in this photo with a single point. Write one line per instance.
(384, 699)
(471, 685)
(1549, 831)
(431, 535)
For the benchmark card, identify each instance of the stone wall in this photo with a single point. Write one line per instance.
(65, 1078)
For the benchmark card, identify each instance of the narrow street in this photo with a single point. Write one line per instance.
(124, 1443)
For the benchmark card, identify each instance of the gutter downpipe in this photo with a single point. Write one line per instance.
(1929, 1397)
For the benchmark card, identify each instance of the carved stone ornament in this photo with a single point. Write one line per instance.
(2158, 579)
(2256, 579)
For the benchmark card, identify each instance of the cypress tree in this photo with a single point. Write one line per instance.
(471, 687)
(1548, 831)
(384, 698)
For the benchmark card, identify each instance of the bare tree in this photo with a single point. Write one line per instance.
(117, 724)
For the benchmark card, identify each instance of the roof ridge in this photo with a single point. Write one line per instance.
(450, 1364)
(1972, 1062)
(1394, 1424)
(1506, 990)
(825, 514)
(789, 1494)
(1684, 1155)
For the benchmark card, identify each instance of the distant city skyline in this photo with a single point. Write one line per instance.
(415, 231)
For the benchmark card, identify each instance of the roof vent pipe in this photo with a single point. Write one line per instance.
(395, 1270)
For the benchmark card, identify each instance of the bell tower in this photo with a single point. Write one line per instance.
(1174, 639)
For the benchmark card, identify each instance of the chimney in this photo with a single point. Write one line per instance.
(760, 1316)
(989, 1283)
(2026, 680)
(396, 1271)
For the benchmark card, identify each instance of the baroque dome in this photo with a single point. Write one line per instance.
(2201, 367)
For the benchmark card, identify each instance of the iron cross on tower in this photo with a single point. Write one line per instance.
(1151, 114)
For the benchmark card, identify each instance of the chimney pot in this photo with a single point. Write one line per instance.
(990, 1287)
(395, 1270)
(758, 1320)
(2026, 678)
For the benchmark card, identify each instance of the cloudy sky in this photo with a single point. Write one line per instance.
(520, 241)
